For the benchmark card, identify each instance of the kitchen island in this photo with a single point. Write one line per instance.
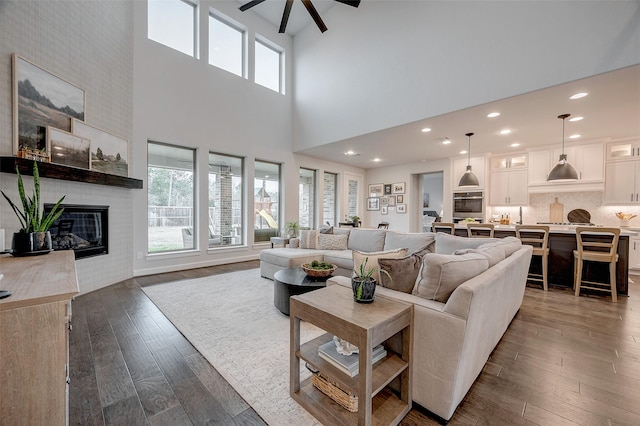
(562, 243)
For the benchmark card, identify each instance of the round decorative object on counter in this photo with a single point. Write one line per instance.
(579, 216)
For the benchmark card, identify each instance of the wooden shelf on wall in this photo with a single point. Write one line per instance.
(58, 171)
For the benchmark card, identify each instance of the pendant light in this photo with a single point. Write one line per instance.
(468, 178)
(563, 171)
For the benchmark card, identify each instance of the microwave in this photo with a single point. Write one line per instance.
(468, 204)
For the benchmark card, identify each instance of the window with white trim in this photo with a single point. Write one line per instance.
(174, 24)
(269, 70)
(226, 44)
(226, 193)
(306, 198)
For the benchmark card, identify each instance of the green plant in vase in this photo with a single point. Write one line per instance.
(34, 235)
(292, 228)
(363, 283)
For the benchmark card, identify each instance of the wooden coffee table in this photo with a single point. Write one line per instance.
(290, 282)
(365, 325)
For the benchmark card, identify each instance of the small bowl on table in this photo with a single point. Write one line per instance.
(318, 273)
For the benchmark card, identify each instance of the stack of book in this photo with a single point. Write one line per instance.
(348, 364)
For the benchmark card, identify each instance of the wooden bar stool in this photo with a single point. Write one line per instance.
(596, 245)
(480, 230)
(538, 237)
(445, 227)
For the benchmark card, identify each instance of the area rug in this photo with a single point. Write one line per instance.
(231, 320)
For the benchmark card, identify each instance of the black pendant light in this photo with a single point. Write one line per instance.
(468, 178)
(563, 171)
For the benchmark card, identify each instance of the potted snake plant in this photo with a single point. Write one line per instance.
(34, 237)
(363, 283)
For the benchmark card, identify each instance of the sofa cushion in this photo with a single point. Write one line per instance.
(372, 257)
(447, 244)
(510, 245)
(367, 239)
(341, 258)
(309, 239)
(493, 253)
(342, 231)
(403, 271)
(290, 257)
(326, 230)
(413, 242)
(441, 274)
(332, 242)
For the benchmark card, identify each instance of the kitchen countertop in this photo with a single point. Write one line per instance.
(559, 229)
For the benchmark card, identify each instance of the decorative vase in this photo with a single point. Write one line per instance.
(31, 243)
(363, 291)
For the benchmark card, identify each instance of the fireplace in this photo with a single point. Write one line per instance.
(81, 228)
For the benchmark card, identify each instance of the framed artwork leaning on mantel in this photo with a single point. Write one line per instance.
(109, 153)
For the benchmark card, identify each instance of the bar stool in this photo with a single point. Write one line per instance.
(480, 230)
(538, 237)
(383, 225)
(596, 245)
(445, 227)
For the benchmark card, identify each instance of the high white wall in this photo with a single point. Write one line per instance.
(90, 45)
(388, 63)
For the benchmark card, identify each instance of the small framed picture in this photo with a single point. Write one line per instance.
(401, 208)
(392, 200)
(398, 188)
(373, 203)
(68, 149)
(400, 199)
(384, 210)
(376, 190)
(387, 189)
(384, 201)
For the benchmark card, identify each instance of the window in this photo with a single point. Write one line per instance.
(330, 201)
(269, 65)
(307, 198)
(225, 200)
(226, 45)
(170, 171)
(173, 23)
(266, 200)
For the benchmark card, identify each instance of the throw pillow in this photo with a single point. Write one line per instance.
(372, 259)
(493, 253)
(308, 239)
(326, 230)
(447, 244)
(441, 274)
(403, 272)
(332, 242)
(412, 241)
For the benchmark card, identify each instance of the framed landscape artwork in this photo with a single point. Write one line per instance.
(68, 149)
(109, 153)
(373, 203)
(41, 99)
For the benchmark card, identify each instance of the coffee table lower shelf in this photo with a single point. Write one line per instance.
(387, 408)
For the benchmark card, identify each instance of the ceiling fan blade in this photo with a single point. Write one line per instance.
(354, 3)
(315, 15)
(250, 4)
(285, 16)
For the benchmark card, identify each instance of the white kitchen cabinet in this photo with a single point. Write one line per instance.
(588, 160)
(634, 252)
(623, 150)
(622, 182)
(509, 162)
(539, 166)
(460, 166)
(509, 188)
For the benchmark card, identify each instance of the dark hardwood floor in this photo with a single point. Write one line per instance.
(564, 361)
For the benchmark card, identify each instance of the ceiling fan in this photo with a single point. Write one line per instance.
(310, 8)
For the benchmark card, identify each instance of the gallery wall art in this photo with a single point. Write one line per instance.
(109, 153)
(68, 149)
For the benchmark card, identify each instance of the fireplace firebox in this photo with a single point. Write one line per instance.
(81, 228)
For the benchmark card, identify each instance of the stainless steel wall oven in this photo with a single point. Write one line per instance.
(468, 204)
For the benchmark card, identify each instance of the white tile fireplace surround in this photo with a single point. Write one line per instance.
(97, 271)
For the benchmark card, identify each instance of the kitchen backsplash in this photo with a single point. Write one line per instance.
(538, 208)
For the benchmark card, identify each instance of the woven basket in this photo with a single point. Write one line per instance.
(318, 273)
(342, 397)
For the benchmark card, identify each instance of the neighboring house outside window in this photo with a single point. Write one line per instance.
(267, 191)
(307, 198)
(330, 199)
(226, 194)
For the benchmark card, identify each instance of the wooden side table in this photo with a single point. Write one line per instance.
(365, 325)
(280, 241)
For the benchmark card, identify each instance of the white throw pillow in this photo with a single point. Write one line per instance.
(372, 259)
(332, 242)
(309, 239)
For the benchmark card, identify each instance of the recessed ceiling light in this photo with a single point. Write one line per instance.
(464, 151)
(266, 176)
(515, 144)
(576, 119)
(446, 141)
(350, 153)
(574, 136)
(579, 95)
(426, 130)
(493, 114)
(505, 132)
(377, 160)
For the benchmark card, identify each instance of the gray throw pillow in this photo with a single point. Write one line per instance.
(403, 272)
(326, 230)
(448, 244)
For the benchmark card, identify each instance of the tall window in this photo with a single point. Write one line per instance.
(269, 65)
(266, 200)
(170, 171)
(307, 198)
(352, 197)
(226, 45)
(330, 201)
(225, 200)
(173, 23)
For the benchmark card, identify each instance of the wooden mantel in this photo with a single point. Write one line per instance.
(58, 171)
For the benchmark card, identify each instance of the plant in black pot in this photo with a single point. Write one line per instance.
(363, 283)
(34, 237)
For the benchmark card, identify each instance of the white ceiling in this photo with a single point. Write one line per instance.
(610, 111)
